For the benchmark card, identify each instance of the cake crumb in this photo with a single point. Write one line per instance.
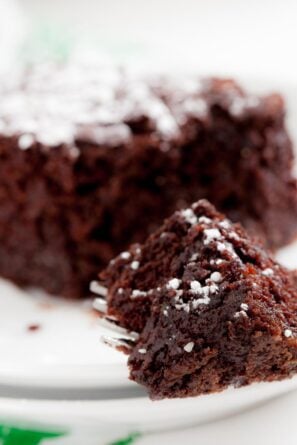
(142, 351)
(288, 333)
(33, 327)
(45, 305)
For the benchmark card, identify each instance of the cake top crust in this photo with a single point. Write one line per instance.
(54, 104)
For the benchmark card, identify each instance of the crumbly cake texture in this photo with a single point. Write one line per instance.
(93, 158)
(211, 307)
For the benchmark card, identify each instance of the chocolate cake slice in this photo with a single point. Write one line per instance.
(207, 305)
(93, 158)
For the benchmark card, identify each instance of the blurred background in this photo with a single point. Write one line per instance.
(255, 37)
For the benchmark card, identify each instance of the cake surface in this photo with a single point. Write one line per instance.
(93, 158)
(211, 308)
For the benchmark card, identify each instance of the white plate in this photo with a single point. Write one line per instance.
(66, 351)
(102, 422)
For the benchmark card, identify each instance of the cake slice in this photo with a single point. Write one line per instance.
(93, 158)
(208, 306)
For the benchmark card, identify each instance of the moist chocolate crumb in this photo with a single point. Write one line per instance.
(211, 306)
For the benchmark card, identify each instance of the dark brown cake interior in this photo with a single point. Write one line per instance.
(211, 307)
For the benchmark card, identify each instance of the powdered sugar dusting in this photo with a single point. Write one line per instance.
(288, 333)
(25, 141)
(214, 235)
(142, 351)
(211, 235)
(135, 265)
(268, 272)
(225, 224)
(189, 216)
(243, 311)
(240, 104)
(125, 255)
(193, 257)
(136, 293)
(189, 346)
(240, 314)
(59, 104)
(174, 283)
(216, 277)
(216, 261)
(195, 287)
(204, 220)
(180, 304)
(204, 292)
(226, 247)
(89, 100)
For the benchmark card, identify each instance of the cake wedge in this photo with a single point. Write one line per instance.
(207, 305)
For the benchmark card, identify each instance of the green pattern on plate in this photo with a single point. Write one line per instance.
(11, 435)
(129, 440)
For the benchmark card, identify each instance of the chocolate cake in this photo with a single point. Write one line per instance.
(93, 158)
(206, 304)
